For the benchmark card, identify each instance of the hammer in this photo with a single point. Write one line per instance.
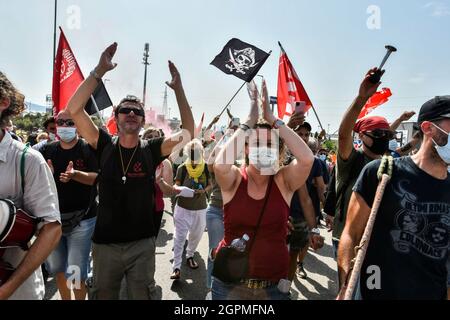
(376, 76)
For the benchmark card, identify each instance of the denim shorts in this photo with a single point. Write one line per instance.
(236, 291)
(71, 256)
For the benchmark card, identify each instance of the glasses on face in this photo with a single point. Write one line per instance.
(68, 122)
(380, 133)
(127, 110)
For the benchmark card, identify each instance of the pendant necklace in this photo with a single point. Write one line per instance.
(125, 170)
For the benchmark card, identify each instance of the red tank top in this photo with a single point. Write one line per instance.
(269, 257)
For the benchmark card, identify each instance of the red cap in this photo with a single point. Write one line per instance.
(371, 123)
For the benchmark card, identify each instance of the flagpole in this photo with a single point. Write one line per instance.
(54, 33)
(98, 111)
(232, 98)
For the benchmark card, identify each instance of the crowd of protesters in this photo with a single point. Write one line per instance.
(101, 196)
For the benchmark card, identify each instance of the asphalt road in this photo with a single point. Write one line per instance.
(321, 283)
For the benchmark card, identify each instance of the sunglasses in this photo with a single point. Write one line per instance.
(68, 122)
(380, 133)
(136, 111)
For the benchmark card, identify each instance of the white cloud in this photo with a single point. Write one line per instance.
(440, 9)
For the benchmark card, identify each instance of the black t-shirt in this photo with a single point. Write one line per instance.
(410, 239)
(72, 195)
(126, 209)
(296, 210)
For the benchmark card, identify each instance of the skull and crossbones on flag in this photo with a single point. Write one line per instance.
(240, 59)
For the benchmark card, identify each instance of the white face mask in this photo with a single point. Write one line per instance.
(66, 134)
(51, 136)
(263, 157)
(443, 151)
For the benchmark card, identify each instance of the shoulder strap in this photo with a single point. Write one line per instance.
(269, 187)
(22, 166)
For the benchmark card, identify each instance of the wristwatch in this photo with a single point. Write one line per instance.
(277, 124)
(315, 231)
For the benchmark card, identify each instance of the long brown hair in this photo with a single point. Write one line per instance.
(16, 100)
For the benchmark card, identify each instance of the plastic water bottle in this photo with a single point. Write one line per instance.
(240, 243)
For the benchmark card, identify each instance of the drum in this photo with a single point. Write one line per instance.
(16, 226)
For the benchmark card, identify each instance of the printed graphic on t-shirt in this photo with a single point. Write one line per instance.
(137, 170)
(421, 226)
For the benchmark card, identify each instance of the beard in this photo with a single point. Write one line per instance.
(130, 127)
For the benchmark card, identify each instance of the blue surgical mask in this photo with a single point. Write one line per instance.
(443, 151)
(66, 134)
(51, 136)
(323, 157)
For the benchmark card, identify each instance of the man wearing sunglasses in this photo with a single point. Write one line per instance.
(374, 133)
(124, 236)
(74, 167)
(410, 239)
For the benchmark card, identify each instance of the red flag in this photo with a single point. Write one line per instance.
(67, 75)
(111, 125)
(376, 100)
(290, 89)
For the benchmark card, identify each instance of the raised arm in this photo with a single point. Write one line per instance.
(404, 117)
(226, 173)
(86, 127)
(296, 173)
(366, 90)
(179, 139)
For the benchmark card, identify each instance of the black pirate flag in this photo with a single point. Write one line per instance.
(240, 59)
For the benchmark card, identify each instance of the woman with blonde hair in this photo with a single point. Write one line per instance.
(190, 213)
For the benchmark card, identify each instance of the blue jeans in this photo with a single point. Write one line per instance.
(227, 291)
(214, 223)
(72, 253)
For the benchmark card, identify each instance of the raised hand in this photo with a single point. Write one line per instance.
(175, 83)
(298, 118)
(407, 115)
(68, 175)
(367, 88)
(254, 113)
(105, 63)
(267, 112)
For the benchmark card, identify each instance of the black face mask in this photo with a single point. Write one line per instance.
(379, 145)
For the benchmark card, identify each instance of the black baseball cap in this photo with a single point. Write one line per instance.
(305, 125)
(435, 109)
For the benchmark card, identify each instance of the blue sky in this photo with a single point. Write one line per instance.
(328, 42)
